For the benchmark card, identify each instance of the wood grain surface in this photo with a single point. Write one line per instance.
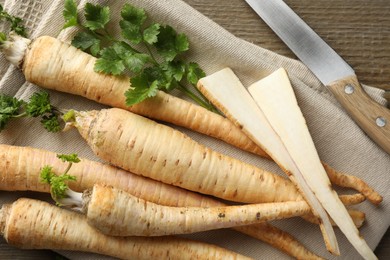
(359, 30)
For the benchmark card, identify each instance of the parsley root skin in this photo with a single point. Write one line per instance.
(49, 61)
(17, 176)
(32, 224)
(88, 173)
(144, 147)
(117, 213)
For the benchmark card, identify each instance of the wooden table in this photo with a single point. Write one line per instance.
(359, 30)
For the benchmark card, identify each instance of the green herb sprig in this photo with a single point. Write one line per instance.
(38, 106)
(59, 188)
(159, 67)
(16, 24)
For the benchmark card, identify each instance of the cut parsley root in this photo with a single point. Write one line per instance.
(32, 224)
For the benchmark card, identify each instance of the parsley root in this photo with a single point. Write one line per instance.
(25, 220)
(46, 63)
(16, 175)
(115, 212)
(144, 147)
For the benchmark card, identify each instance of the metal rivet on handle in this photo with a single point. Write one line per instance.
(380, 121)
(349, 89)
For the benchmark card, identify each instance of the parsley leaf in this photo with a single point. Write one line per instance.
(110, 61)
(131, 31)
(194, 73)
(170, 44)
(46, 174)
(141, 90)
(150, 34)
(132, 20)
(39, 104)
(133, 15)
(159, 67)
(9, 108)
(97, 16)
(136, 61)
(16, 22)
(87, 41)
(10, 105)
(69, 157)
(3, 37)
(51, 123)
(58, 185)
(70, 14)
(174, 69)
(116, 58)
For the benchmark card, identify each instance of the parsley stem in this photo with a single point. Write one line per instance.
(109, 37)
(68, 168)
(151, 54)
(20, 115)
(198, 100)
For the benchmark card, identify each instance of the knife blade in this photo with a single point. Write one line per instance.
(328, 67)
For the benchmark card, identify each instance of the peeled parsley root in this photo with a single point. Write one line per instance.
(32, 224)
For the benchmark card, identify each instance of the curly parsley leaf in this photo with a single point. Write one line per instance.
(58, 184)
(47, 174)
(10, 105)
(16, 22)
(97, 16)
(51, 123)
(39, 104)
(69, 157)
(70, 14)
(9, 108)
(88, 42)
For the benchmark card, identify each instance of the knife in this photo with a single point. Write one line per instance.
(328, 67)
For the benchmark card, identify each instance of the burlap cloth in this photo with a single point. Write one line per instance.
(339, 141)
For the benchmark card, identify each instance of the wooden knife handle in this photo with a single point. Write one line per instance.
(373, 118)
